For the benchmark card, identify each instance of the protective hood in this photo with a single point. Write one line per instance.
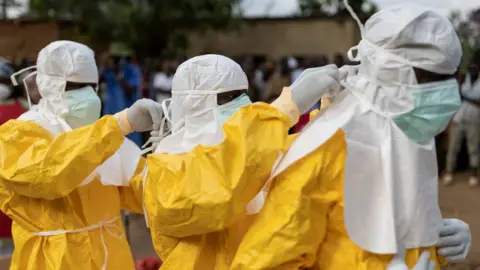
(59, 62)
(394, 41)
(195, 87)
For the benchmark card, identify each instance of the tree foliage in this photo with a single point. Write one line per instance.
(363, 8)
(468, 31)
(149, 27)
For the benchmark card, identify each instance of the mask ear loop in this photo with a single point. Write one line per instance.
(15, 82)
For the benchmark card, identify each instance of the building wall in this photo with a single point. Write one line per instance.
(19, 40)
(276, 38)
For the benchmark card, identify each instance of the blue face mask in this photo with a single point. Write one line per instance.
(84, 107)
(434, 106)
(224, 112)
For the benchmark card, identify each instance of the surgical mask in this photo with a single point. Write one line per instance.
(5, 91)
(224, 112)
(84, 107)
(434, 106)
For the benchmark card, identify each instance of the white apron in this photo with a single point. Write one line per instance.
(390, 191)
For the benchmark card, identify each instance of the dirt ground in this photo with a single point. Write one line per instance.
(457, 201)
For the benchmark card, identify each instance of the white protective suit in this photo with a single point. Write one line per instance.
(390, 180)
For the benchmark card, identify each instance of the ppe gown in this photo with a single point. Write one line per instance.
(39, 190)
(302, 225)
(196, 202)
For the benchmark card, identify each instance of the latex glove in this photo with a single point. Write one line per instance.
(423, 263)
(347, 71)
(312, 84)
(455, 240)
(145, 115)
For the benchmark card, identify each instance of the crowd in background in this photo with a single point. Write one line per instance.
(123, 80)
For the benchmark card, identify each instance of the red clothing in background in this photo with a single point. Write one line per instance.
(10, 111)
(7, 112)
(302, 122)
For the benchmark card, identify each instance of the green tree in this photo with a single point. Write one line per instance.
(6, 5)
(469, 33)
(147, 26)
(363, 8)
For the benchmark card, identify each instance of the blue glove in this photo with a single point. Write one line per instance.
(455, 240)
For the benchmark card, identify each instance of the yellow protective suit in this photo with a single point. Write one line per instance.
(302, 225)
(39, 179)
(196, 201)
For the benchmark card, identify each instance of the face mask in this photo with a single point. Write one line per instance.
(224, 112)
(84, 107)
(5, 91)
(434, 106)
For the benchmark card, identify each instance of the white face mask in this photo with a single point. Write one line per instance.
(224, 112)
(5, 91)
(84, 107)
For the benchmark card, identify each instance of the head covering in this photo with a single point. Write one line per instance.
(195, 87)
(61, 62)
(398, 39)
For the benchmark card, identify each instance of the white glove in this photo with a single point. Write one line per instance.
(145, 115)
(455, 240)
(423, 263)
(347, 71)
(312, 84)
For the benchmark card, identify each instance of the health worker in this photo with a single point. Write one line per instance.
(359, 184)
(64, 173)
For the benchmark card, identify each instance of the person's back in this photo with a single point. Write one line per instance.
(63, 216)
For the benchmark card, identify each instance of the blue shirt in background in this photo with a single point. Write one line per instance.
(116, 99)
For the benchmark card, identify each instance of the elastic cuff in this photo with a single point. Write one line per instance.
(285, 104)
(122, 119)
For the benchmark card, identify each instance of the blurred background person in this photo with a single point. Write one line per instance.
(279, 79)
(339, 60)
(123, 79)
(466, 124)
(262, 76)
(162, 80)
(10, 108)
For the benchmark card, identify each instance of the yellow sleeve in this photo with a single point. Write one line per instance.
(313, 114)
(207, 189)
(131, 197)
(293, 223)
(34, 164)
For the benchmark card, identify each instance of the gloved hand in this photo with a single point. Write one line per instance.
(312, 84)
(423, 263)
(346, 71)
(145, 115)
(455, 240)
